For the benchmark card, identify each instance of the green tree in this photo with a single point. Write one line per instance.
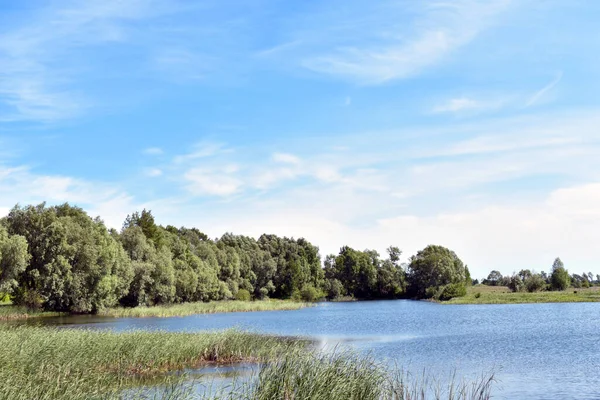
(559, 279)
(431, 269)
(75, 264)
(13, 260)
(535, 283)
(494, 278)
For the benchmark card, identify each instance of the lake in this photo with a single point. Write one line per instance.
(538, 351)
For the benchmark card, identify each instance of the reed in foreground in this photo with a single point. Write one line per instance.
(212, 307)
(350, 376)
(49, 363)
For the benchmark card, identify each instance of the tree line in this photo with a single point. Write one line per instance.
(59, 258)
(558, 279)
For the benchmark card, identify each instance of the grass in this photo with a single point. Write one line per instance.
(212, 307)
(482, 294)
(8, 312)
(350, 376)
(51, 363)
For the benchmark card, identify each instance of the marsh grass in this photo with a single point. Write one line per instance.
(212, 307)
(481, 294)
(347, 375)
(9, 312)
(51, 363)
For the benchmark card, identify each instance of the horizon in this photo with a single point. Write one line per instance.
(464, 125)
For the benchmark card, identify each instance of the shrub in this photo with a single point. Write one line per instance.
(453, 290)
(535, 283)
(308, 293)
(515, 284)
(477, 295)
(243, 295)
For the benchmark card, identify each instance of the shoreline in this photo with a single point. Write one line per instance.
(15, 313)
(481, 294)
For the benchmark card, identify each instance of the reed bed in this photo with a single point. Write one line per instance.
(350, 376)
(51, 363)
(212, 307)
(12, 313)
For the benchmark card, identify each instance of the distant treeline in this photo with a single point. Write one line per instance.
(558, 279)
(59, 258)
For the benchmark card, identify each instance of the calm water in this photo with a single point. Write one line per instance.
(538, 351)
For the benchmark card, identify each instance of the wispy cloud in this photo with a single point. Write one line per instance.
(19, 184)
(539, 95)
(286, 158)
(202, 150)
(154, 172)
(442, 28)
(213, 181)
(468, 105)
(36, 83)
(153, 151)
(278, 48)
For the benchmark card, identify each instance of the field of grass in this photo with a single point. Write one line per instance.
(212, 307)
(50, 363)
(482, 294)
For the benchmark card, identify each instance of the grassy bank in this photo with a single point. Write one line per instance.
(481, 294)
(8, 312)
(212, 307)
(47, 363)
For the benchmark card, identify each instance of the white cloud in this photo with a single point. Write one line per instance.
(539, 95)
(202, 150)
(286, 158)
(23, 186)
(154, 172)
(153, 151)
(468, 105)
(212, 182)
(442, 29)
(34, 83)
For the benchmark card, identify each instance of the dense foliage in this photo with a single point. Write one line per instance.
(437, 272)
(58, 258)
(526, 280)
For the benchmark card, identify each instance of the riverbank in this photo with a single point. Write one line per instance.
(482, 294)
(49, 363)
(213, 307)
(11, 312)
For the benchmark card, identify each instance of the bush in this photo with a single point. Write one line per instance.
(515, 284)
(243, 295)
(535, 283)
(477, 295)
(307, 293)
(453, 290)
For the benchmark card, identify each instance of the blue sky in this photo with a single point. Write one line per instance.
(471, 124)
